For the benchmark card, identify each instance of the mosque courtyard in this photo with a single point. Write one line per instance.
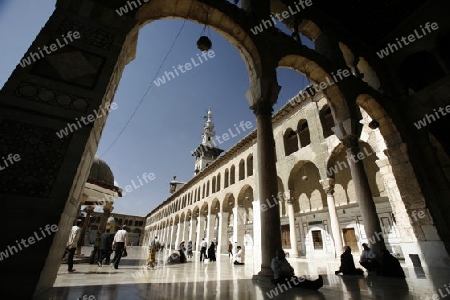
(223, 280)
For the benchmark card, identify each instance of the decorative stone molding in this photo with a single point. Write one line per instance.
(89, 35)
(53, 97)
(42, 154)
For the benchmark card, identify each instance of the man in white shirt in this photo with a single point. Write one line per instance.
(71, 245)
(239, 256)
(119, 244)
(368, 258)
(203, 246)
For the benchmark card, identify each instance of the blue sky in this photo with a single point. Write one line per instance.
(169, 122)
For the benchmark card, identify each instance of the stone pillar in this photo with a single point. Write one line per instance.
(267, 173)
(107, 209)
(193, 231)
(292, 230)
(238, 225)
(186, 231)
(367, 207)
(201, 220)
(210, 227)
(223, 235)
(178, 235)
(170, 237)
(86, 224)
(256, 233)
(328, 186)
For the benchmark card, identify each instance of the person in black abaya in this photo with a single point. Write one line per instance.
(212, 252)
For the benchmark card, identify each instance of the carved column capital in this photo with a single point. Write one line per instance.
(262, 108)
(263, 90)
(350, 141)
(328, 185)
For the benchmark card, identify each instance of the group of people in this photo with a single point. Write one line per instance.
(388, 265)
(104, 245)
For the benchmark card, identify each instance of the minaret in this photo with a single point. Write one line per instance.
(206, 152)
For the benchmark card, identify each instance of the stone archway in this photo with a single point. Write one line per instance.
(419, 235)
(38, 101)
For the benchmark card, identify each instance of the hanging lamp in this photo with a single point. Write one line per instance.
(204, 42)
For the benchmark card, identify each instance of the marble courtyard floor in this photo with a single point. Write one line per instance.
(223, 280)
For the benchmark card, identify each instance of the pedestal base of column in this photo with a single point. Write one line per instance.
(262, 279)
(293, 254)
(264, 276)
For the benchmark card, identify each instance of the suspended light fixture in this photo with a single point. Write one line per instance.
(204, 42)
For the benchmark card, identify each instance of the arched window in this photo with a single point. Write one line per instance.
(326, 119)
(213, 185)
(218, 182)
(203, 191)
(303, 133)
(241, 169)
(227, 174)
(420, 70)
(290, 142)
(232, 174)
(250, 165)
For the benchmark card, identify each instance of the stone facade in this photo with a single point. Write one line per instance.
(391, 93)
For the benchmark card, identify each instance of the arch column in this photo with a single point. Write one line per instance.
(210, 226)
(262, 96)
(186, 231)
(367, 207)
(328, 186)
(238, 225)
(170, 237)
(201, 222)
(178, 235)
(293, 230)
(223, 235)
(192, 231)
(107, 209)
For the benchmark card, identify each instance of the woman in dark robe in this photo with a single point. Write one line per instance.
(390, 266)
(347, 264)
(212, 252)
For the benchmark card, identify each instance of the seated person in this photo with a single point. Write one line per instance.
(368, 259)
(390, 266)
(284, 274)
(239, 256)
(347, 264)
(174, 258)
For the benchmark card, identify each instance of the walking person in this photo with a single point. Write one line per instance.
(203, 246)
(230, 249)
(95, 252)
(154, 247)
(212, 252)
(182, 250)
(71, 245)
(120, 240)
(104, 247)
(189, 250)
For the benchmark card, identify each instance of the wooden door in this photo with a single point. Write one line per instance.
(350, 239)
